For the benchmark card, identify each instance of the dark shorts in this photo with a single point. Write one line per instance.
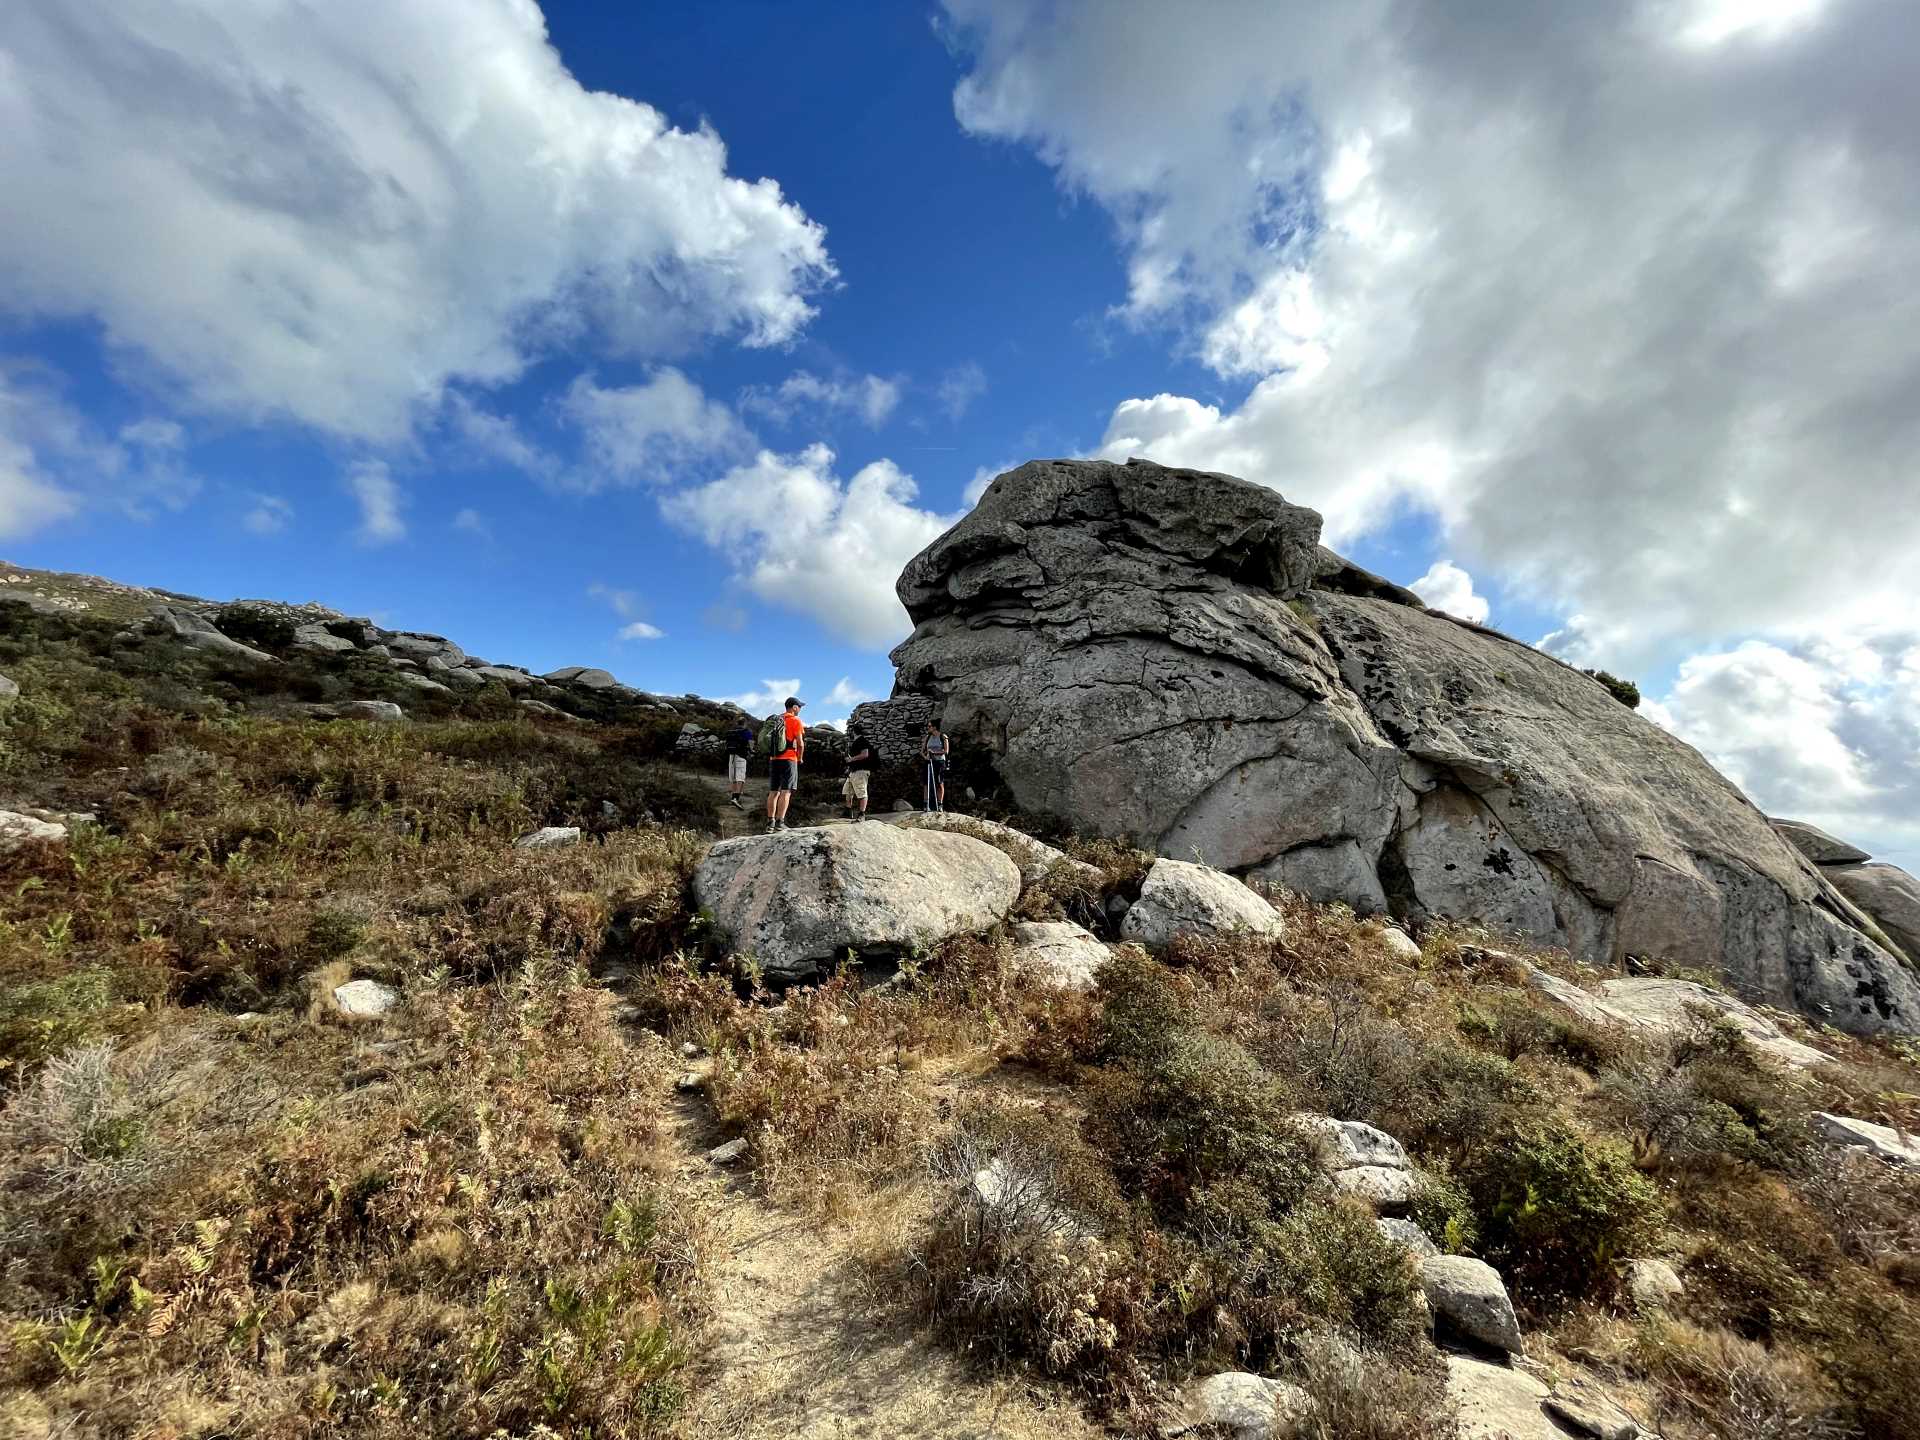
(785, 775)
(938, 764)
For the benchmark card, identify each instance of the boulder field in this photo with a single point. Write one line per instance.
(1172, 656)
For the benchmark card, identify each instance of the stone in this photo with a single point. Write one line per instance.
(729, 1153)
(17, 830)
(459, 679)
(1407, 1235)
(799, 900)
(540, 707)
(1890, 896)
(1652, 1284)
(1060, 953)
(9, 690)
(1883, 1142)
(1035, 858)
(548, 837)
(1586, 1409)
(1171, 656)
(365, 999)
(421, 683)
(902, 807)
(1243, 1406)
(416, 646)
(1026, 1199)
(1363, 1162)
(506, 675)
(198, 633)
(1400, 945)
(1179, 898)
(1570, 997)
(1469, 1296)
(1496, 1402)
(1817, 845)
(690, 1081)
(583, 677)
(384, 711)
(1344, 1144)
(1652, 1003)
(319, 640)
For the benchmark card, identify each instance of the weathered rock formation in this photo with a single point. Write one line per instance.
(1172, 656)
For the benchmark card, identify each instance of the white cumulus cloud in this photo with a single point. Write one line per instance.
(1447, 587)
(641, 630)
(372, 486)
(651, 432)
(333, 212)
(269, 515)
(826, 547)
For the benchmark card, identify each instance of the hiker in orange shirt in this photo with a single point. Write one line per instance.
(784, 772)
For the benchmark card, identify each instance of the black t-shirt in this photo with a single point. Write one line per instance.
(856, 742)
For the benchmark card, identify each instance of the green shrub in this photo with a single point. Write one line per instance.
(1558, 1209)
(1625, 691)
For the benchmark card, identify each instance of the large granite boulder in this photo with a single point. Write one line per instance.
(1890, 895)
(799, 900)
(196, 632)
(1172, 656)
(1179, 898)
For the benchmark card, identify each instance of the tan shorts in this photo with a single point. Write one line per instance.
(736, 767)
(856, 786)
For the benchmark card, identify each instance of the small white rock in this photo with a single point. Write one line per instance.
(17, 830)
(1399, 944)
(366, 998)
(1653, 1284)
(1247, 1407)
(1883, 1142)
(1470, 1295)
(728, 1153)
(548, 837)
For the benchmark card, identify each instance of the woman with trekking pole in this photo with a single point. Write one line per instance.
(935, 750)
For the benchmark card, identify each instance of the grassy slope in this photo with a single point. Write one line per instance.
(227, 1210)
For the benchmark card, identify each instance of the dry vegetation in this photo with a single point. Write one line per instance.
(226, 1210)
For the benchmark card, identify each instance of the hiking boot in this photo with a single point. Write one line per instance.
(734, 801)
(772, 826)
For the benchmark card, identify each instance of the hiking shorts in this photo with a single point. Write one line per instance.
(736, 768)
(856, 786)
(785, 775)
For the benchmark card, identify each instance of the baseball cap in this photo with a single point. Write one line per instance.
(794, 702)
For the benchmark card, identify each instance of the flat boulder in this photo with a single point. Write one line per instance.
(383, 711)
(1668, 1006)
(584, 677)
(1408, 1236)
(319, 640)
(1817, 845)
(1060, 953)
(1180, 898)
(417, 646)
(1496, 1402)
(1240, 1405)
(549, 837)
(421, 683)
(798, 900)
(1470, 1297)
(1883, 1142)
(506, 675)
(17, 830)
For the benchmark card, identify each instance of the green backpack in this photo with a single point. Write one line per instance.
(773, 737)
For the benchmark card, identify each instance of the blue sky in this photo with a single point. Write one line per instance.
(423, 310)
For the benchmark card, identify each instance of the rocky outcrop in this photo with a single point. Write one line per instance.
(17, 830)
(1363, 1162)
(1172, 656)
(800, 900)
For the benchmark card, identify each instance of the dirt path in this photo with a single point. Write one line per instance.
(800, 1346)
